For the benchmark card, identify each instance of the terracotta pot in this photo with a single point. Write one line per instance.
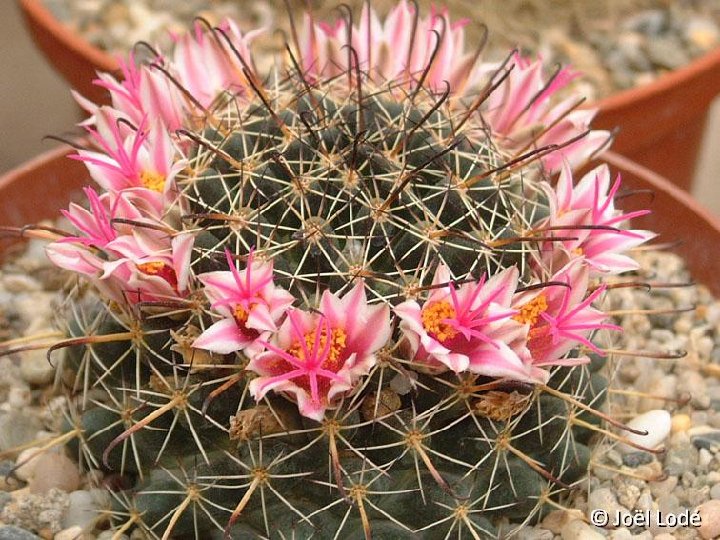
(38, 190)
(662, 123)
(692, 231)
(76, 59)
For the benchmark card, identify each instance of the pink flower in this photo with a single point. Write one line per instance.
(590, 204)
(203, 66)
(469, 328)
(250, 303)
(130, 158)
(560, 317)
(120, 249)
(523, 114)
(207, 66)
(398, 50)
(103, 223)
(143, 92)
(316, 359)
(98, 226)
(153, 266)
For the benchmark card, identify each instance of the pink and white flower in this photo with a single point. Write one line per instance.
(152, 267)
(250, 303)
(207, 66)
(142, 92)
(398, 50)
(560, 317)
(170, 91)
(316, 359)
(131, 158)
(120, 249)
(524, 114)
(593, 222)
(469, 328)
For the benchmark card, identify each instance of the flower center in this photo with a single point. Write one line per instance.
(337, 346)
(530, 311)
(433, 318)
(153, 181)
(240, 315)
(158, 268)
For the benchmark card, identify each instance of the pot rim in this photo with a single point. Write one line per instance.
(103, 61)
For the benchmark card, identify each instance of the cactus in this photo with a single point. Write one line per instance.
(342, 299)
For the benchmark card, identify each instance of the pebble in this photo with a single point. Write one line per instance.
(533, 533)
(604, 499)
(25, 463)
(54, 470)
(17, 428)
(649, 22)
(710, 516)
(715, 492)
(680, 422)
(667, 52)
(657, 423)
(579, 530)
(10, 532)
(635, 459)
(19, 397)
(705, 437)
(704, 458)
(8, 481)
(84, 509)
(620, 534)
(73, 533)
(5, 498)
(702, 32)
(36, 512)
(35, 368)
(110, 535)
(557, 519)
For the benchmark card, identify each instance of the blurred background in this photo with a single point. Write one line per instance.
(37, 102)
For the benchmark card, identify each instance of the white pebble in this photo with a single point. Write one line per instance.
(35, 368)
(657, 423)
(19, 397)
(84, 509)
(28, 458)
(579, 530)
(73, 533)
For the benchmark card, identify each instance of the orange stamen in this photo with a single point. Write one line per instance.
(153, 180)
(337, 346)
(433, 317)
(530, 311)
(158, 268)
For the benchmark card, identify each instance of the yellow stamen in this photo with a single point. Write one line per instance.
(433, 317)
(153, 180)
(151, 268)
(530, 312)
(240, 315)
(337, 345)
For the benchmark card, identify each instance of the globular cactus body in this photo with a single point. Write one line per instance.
(355, 310)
